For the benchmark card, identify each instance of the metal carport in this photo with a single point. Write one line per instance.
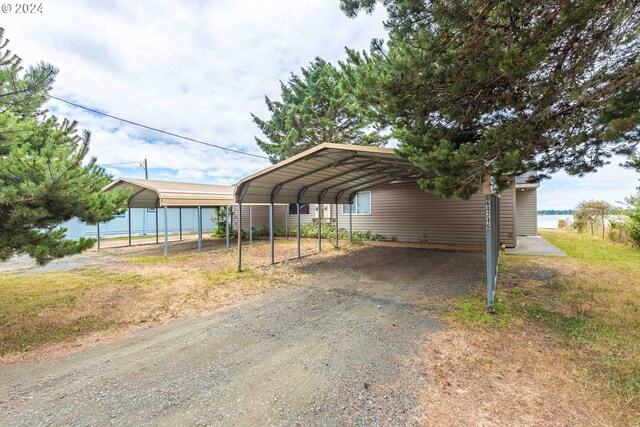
(334, 174)
(156, 194)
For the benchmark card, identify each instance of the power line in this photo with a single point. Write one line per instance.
(156, 129)
(123, 163)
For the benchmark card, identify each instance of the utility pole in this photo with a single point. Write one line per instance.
(146, 170)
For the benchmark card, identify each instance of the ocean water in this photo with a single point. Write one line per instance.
(551, 221)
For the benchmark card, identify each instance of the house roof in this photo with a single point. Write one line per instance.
(327, 173)
(149, 193)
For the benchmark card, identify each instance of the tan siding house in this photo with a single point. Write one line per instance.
(404, 211)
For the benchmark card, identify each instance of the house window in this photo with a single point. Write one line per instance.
(304, 208)
(361, 204)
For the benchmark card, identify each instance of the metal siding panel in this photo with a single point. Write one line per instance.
(410, 214)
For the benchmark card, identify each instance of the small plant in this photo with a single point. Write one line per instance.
(310, 231)
(633, 228)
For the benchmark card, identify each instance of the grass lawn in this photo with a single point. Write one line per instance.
(585, 308)
(60, 307)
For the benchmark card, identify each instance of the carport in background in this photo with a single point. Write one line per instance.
(165, 195)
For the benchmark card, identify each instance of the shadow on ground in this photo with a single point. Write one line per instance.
(340, 345)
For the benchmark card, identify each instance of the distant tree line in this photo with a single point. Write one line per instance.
(555, 212)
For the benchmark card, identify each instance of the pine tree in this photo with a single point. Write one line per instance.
(501, 87)
(314, 109)
(43, 181)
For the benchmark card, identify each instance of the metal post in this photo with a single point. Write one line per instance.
(98, 224)
(298, 233)
(156, 224)
(250, 225)
(199, 228)
(144, 217)
(490, 249)
(271, 232)
(350, 224)
(166, 232)
(239, 237)
(129, 215)
(319, 227)
(286, 222)
(497, 232)
(336, 224)
(226, 225)
(180, 222)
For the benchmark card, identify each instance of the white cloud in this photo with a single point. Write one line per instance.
(193, 68)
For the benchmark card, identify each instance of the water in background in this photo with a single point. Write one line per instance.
(551, 221)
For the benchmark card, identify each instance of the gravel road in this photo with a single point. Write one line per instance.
(338, 350)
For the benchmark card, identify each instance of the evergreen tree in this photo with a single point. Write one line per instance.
(42, 179)
(314, 109)
(475, 88)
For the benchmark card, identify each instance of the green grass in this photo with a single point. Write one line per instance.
(585, 247)
(37, 309)
(591, 305)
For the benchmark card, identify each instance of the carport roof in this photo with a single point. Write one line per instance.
(327, 173)
(149, 193)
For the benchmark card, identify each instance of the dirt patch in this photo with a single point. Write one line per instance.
(408, 274)
(505, 378)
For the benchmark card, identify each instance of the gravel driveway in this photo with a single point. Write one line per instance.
(339, 349)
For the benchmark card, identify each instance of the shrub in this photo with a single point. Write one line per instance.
(633, 225)
(633, 228)
(562, 223)
(310, 230)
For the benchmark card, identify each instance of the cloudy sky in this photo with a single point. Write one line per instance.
(199, 69)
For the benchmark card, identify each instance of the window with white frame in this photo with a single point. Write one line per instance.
(361, 204)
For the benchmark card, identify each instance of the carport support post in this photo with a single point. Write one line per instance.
(226, 224)
(250, 225)
(239, 237)
(350, 224)
(319, 226)
(298, 221)
(492, 240)
(271, 232)
(129, 216)
(490, 251)
(286, 222)
(336, 224)
(166, 232)
(156, 224)
(180, 222)
(98, 232)
(199, 228)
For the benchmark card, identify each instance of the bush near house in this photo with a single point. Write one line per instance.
(328, 232)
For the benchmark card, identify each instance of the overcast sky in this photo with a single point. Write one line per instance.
(200, 68)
